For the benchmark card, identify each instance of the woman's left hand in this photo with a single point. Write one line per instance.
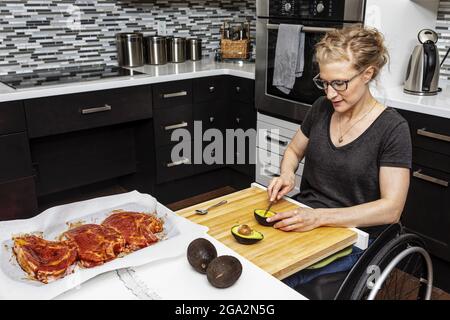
(300, 220)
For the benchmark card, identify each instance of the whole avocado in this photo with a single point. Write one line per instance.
(200, 253)
(224, 271)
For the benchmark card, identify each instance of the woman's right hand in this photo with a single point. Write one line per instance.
(280, 186)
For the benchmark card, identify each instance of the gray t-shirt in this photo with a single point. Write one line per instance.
(337, 177)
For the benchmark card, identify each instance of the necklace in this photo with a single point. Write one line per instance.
(341, 137)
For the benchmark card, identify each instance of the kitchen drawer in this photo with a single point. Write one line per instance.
(168, 169)
(76, 159)
(270, 159)
(210, 89)
(274, 139)
(265, 176)
(167, 120)
(211, 115)
(67, 113)
(431, 160)
(278, 123)
(427, 209)
(12, 117)
(174, 93)
(204, 167)
(243, 115)
(241, 89)
(15, 160)
(18, 199)
(429, 132)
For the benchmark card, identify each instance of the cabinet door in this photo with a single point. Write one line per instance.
(427, 210)
(241, 89)
(12, 117)
(72, 160)
(174, 93)
(167, 120)
(15, 158)
(210, 89)
(18, 199)
(244, 117)
(170, 168)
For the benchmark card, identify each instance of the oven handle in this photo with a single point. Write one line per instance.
(272, 26)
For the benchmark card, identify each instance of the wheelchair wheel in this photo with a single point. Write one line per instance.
(406, 281)
(403, 277)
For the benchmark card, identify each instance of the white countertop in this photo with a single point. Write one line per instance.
(153, 74)
(438, 105)
(175, 279)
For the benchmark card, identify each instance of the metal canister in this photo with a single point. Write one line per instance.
(130, 49)
(177, 49)
(194, 49)
(156, 50)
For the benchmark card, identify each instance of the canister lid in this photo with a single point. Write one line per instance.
(155, 38)
(194, 40)
(128, 35)
(427, 35)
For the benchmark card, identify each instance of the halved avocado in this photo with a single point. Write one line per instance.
(246, 235)
(261, 216)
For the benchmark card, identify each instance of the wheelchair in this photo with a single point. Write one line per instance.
(395, 266)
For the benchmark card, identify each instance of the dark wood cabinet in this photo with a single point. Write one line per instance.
(12, 117)
(18, 199)
(170, 94)
(81, 111)
(15, 160)
(427, 209)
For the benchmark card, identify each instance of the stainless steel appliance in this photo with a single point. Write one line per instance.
(130, 49)
(422, 75)
(65, 75)
(156, 50)
(317, 17)
(194, 49)
(177, 49)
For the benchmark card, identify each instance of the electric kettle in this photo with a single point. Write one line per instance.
(422, 75)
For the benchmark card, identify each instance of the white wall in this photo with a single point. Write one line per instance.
(400, 21)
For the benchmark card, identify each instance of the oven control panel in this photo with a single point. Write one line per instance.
(308, 9)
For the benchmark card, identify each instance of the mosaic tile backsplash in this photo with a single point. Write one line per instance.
(47, 34)
(443, 29)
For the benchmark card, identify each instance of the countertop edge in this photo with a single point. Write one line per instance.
(14, 95)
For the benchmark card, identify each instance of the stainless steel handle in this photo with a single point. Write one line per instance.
(178, 163)
(419, 175)
(212, 89)
(425, 133)
(238, 89)
(176, 126)
(174, 94)
(271, 173)
(280, 142)
(211, 119)
(305, 29)
(106, 107)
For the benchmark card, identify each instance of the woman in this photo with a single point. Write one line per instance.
(357, 152)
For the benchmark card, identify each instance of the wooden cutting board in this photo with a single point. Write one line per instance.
(279, 253)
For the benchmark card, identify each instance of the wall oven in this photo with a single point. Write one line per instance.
(317, 17)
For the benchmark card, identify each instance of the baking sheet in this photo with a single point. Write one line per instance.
(14, 282)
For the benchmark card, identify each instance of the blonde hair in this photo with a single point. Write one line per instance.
(358, 44)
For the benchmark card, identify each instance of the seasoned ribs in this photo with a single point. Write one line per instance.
(137, 228)
(45, 260)
(96, 244)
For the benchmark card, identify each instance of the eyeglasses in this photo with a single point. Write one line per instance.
(338, 85)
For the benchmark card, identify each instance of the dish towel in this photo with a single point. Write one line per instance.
(289, 56)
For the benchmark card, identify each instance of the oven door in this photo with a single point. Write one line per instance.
(294, 105)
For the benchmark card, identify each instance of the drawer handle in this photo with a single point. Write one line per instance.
(425, 133)
(280, 142)
(106, 107)
(419, 175)
(271, 173)
(174, 94)
(178, 163)
(212, 89)
(176, 126)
